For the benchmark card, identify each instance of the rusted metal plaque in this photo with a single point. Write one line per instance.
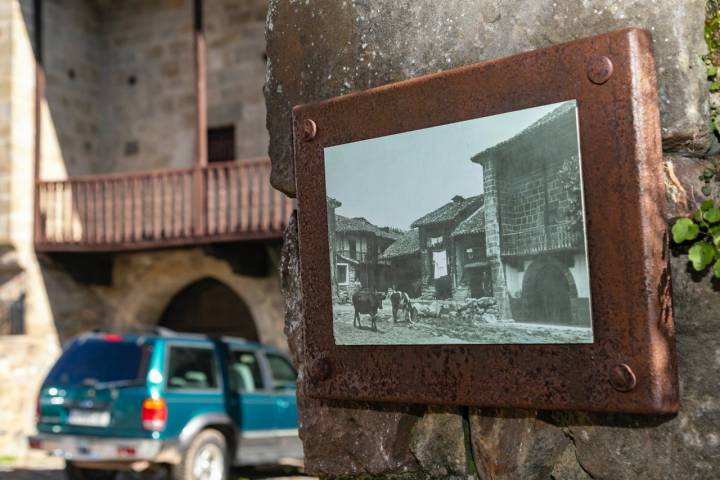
(627, 364)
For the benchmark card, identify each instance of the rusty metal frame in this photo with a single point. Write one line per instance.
(631, 365)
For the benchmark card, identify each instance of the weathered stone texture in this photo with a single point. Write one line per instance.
(121, 76)
(324, 48)
(512, 444)
(24, 362)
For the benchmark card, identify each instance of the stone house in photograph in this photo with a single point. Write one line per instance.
(403, 256)
(145, 124)
(534, 223)
(473, 275)
(358, 247)
(438, 265)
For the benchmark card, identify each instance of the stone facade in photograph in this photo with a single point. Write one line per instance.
(325, 48)
(533, 190)
(120, 97)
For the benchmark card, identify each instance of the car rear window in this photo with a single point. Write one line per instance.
(92, 361)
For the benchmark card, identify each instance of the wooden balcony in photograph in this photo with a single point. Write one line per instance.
(221, 202)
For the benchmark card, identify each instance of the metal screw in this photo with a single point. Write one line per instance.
(599, 69)
(622, 378)
(309, 130)
(321, 369)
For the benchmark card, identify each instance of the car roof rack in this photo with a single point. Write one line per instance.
(164, 332)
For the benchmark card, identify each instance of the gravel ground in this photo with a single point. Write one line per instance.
(40, 467)
(446, 331)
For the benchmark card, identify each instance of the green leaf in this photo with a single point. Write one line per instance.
(706, 205)
(706, 190)
(712, 215)
(714, 86)
(684, 229)
(716, 269)
(715, 230)
(701, 254)
(716, 240)
(697, 216)
(711, 70)
(708, 173)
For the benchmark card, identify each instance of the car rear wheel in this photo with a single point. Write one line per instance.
(205, 459)
(73, 472)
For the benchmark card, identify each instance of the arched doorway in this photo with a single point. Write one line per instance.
(548, 290)
(209, 306)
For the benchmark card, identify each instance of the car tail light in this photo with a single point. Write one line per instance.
(35, 443)
(113, 337)
(154, 414)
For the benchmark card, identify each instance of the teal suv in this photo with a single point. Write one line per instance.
(186, 403)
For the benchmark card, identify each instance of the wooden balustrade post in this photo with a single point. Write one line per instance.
(201, 160)
(38, 227)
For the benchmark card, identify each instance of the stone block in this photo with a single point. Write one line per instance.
(515, 444)
(326, 48)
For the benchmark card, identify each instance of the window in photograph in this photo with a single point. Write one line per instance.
(435, 242)
(342, 274)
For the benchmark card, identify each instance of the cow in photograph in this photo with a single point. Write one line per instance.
(401, 301)
(367, 303)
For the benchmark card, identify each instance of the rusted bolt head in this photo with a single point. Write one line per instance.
(599, 69)
(309, 130)
(622, 378)
(321, 369)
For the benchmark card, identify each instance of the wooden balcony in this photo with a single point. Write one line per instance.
(228, 201)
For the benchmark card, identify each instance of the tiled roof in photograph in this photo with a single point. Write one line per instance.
(553, 115)
(457, 207)
(475, 223)
(361, 225)
(408, 244)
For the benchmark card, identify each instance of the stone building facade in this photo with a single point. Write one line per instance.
(120, 96)
(325, 48)
(358, 247)
(536, 201)
(437, 248)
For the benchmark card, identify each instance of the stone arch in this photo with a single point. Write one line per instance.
(549, 292)
(145, 284)
(209, 306)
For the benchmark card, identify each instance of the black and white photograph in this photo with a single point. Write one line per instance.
(470, 232)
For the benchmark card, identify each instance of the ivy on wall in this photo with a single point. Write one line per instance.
(701, 230)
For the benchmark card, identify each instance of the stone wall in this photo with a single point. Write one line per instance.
(143, 284)
(6, 45)
(148, 85)
(72, 55)
(325, 48)
(121, 76)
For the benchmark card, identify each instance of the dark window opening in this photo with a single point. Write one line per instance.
(283, 374)
(192, 368)
(221, 144)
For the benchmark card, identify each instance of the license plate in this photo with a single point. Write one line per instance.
(86, 418)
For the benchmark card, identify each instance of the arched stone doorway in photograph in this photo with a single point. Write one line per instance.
(548, 291)
(211, 307)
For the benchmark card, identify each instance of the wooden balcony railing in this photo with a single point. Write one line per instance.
(221, 202)
(541, 239)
